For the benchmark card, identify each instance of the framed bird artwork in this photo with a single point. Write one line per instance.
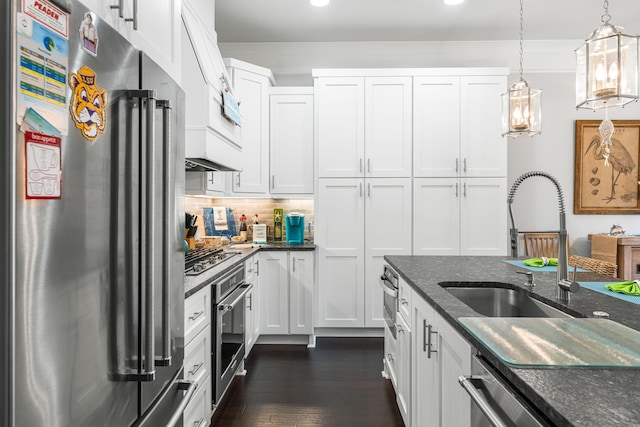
(607, 174)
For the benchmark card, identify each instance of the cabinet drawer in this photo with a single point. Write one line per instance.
(198, 412)
(391, 356)
(196, 313)
(404, 301)
(197, 356)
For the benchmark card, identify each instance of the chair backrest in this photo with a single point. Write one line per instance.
(605, 268)
(541, 244)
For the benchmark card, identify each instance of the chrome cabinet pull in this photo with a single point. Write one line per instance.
(399, 328)
(273, 182)
(456, 165)
(369, 165)
(429, 349)
(250, 298)
(238, 180)
(257, 267)
(456, 190)
(211, 179)
(200, 422)
(135, 16)
(120, 7)
(196, 368)
(403, 301)
(464, 165)
(424, 335)
(464, 189)
(294, 264)
(369, 189)
(196, 315)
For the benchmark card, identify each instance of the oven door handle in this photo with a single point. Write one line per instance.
(392, 292)
(242, 290)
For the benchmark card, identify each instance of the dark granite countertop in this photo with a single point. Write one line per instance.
(193, 284)
(567, 396)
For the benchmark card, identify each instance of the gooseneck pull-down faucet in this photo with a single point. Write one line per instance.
(565, 286)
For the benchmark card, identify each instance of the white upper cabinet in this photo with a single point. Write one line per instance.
(481, 142)
(364, 126)
(436, 124)
(158, 31)
(387, 120)
(291, 139)
(456, 122)
(251, 84)
(340, 126)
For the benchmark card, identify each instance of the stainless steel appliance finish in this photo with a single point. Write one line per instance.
(197, 261)
(503, 302)
(96, 278)
(389, 284)
(228, 329)
(492, 403)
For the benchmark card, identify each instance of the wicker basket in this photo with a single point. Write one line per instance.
(605, 268)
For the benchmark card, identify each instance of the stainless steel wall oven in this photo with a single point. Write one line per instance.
(228, 312)
(389, 284)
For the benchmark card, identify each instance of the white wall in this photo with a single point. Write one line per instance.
(549, 65)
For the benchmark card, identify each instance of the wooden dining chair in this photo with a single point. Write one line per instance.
(538, 245)
(599, 266)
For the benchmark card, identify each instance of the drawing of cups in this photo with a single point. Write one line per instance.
(36, 188)
(49, 186)
(45, 158)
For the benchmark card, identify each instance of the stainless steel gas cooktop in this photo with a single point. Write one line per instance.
(197, 261)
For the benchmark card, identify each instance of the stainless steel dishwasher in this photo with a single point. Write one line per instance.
(492, 403)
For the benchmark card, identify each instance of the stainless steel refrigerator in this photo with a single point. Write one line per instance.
(91, 254)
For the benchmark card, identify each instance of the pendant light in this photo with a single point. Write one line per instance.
(607, 67)
(521, 105)
(607, 73)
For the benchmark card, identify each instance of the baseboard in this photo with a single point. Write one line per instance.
(349, 332)
(283, 339)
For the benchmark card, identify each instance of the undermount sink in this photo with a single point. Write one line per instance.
(495, 301)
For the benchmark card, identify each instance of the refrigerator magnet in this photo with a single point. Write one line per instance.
(43, 174)
(88, 104)
(89, 35)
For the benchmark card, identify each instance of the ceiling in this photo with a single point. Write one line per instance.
(253, 21)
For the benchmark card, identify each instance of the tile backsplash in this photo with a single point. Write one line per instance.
(263, 207)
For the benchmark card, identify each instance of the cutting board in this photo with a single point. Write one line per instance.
(524, 341)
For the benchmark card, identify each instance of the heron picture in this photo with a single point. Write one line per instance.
(607, 172)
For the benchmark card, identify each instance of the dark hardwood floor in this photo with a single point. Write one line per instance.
(336, 384)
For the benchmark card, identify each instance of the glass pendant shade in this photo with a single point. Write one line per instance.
(607, 69)
(521, 110)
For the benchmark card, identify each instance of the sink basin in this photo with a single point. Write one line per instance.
(493, 301)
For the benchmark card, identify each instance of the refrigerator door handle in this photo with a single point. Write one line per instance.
(167, 147)
(146, 366)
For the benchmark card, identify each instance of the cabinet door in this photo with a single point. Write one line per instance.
(207, 183)
(249, 327)
(482, 147)
(436, 207)
(425, 397)
(159, 32)
(103, 10)
(340, 238)
(274, 293)
(436, 126)
(403, 390)
(454, 359)
(301, 280)
(291, 139)
(252, 90)
(388, 132)
(483, 216)
(340, 121)
(387, 232)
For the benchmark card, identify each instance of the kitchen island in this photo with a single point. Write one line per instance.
(578, 396)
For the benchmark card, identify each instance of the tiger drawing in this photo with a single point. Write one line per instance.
(88, 106)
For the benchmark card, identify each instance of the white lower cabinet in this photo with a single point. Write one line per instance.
(404, 377)
(197, 356)
(286, 292)
(358, 221)
(459, 216)
(252, 312)
(440, 357)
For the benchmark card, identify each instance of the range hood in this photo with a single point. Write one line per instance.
(212, 141)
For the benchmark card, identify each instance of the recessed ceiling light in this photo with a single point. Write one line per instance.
(319, 3)
(453, 2)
